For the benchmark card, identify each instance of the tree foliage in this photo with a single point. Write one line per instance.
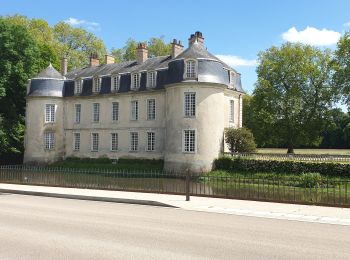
(240, 140)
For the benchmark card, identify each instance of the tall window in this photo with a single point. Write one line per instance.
(150, 141)
(114, 141)
(189, 142)
(232, 110)
(151, 79)
(94, 142)
(115, 83)
(134, 141)
(115, 111)
(134, 110)
(78, 86)
(190, 69)
(95, 112)
(190, 104)
(135, 81)
(232, 79)
(151, 109)
(77, 113)
(50, 113)
(76, 144)
(97, 85)
(49, 140)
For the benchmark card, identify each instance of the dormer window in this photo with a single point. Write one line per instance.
(96, 85)
(115, 83)
(232, 79)
(135, 81)
(78, 86)
(190, 69)
(151, 79)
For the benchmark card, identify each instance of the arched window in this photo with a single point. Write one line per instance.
(190, 70)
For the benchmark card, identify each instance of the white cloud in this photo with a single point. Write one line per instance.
(89, 25)
(235, 61)
(312, 36)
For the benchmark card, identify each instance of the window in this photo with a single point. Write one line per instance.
(50, 113)
(134, 141)
(96, 85)
(115, 111)
(78, 86)
(232, 110)
(135, 81)
(76, 142)
(190, 104)
(232, 79)
(190, 69)
(49, 140)
(94, 142)
(151, 79)
(134, 110)
(114, 141)
(150, 141)
(77, 113)
(115, 83)
(189, 142)
(151, 109)
(95, 112)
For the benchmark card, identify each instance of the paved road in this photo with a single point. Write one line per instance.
(49, 228)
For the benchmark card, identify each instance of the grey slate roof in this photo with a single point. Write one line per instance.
(49, 73)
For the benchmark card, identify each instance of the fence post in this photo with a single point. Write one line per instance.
(187, 185)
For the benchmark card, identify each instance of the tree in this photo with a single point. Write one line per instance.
(240, 140)
(293, 93)
(342, 67)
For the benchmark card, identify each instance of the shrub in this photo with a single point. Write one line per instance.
(240, 140)
(311, 180)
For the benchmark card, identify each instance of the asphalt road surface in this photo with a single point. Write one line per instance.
(50, 228)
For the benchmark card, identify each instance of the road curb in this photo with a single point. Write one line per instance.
(86, 197)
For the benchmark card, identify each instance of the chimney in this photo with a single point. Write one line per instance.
(142, 53)
(109, 59)
(64, 66)
(176, 48)
(196, 37)
(94, 60)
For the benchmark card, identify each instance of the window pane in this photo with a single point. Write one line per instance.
(232, 110)
(189, 140)
(134, 141)
(49, 140)
(150, 141)
(76, 141)
(94, 142)
(134, 110)
(190, 104)
(77, 113)
(151, 109)
(114, 142)
(96, 112)
(49, 113)
(115, 111)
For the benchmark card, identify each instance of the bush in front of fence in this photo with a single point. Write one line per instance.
(252, 165)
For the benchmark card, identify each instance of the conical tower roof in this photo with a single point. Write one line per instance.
(49, 73)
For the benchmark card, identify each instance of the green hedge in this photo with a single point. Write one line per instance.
(252, 165)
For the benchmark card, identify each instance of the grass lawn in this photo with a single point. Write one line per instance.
(305, 151)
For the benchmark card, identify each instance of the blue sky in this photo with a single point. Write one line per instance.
(236, 30)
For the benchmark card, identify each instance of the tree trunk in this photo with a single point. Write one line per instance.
(290, 149)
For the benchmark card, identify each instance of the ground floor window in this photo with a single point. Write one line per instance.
(150, 141)
(134, 141)
(49, 140)
(76, 144)
(114, 142)
(94, 142)
(189, 141)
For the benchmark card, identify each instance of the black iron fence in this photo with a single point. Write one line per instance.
(333, 192)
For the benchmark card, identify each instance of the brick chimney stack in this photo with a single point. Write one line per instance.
(109, 59)
(176, 48)
(196, 37)
(64, 66)
(142, 53)
(94, 60)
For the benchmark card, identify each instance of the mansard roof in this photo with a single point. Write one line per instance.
(49, 73)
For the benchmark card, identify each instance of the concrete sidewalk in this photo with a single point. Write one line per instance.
(318, 214)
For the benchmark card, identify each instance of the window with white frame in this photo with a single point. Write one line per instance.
(151, 141)
(189, 141)
(134, 141)
(115, 111)
(190, 69)
(49, 140)
(96, 84)
(135, 81)
(151, 109)
(190, 104)
(114, 141)
(76, 142)
(232, 79)
(78, 86)
(232, 110)
(115, 83)
(134, 110)
(151, 79)
(94, 142)
(50, 110)
(96, 112)
(77, 113)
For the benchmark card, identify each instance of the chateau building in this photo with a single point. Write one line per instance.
(172, 107)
